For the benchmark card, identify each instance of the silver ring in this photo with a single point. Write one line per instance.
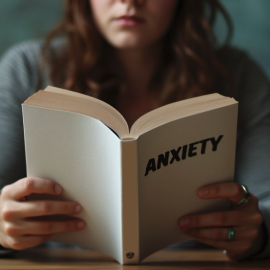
(246, 197)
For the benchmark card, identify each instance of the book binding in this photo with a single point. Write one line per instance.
(130, 211)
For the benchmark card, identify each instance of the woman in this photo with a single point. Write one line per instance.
(138, 55)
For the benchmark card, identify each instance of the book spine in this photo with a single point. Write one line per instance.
(130, 213)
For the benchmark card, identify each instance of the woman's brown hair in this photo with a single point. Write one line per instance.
(191, 64)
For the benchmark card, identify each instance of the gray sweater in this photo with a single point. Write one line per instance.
(20, 78)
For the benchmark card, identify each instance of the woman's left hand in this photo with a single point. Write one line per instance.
(213, 228)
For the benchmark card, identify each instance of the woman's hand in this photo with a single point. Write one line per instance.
(17, 230)
(213, 228)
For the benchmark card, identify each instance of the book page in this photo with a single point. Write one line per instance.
(174, 111)
(65, 100)
(174, 161)
(83, 156)
(61, 99)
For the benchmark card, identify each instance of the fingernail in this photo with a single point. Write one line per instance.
(80, 225)
(184, 222)
(57, 189)
(203, 192)
(77, 209)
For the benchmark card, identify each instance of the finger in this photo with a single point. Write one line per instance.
(23, 242)
(230, 190)
(216, 219)
(237, 247)
(52, 227)
(251, 204)
(40, 208)
(221, 234)
(27, 186)
(43, 208)
(40, 228)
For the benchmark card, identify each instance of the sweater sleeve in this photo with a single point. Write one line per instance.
(253, 142)
(18, 80)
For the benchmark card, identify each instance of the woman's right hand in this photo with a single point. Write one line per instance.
(17, 230)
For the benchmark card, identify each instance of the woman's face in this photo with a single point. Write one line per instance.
(133, 23)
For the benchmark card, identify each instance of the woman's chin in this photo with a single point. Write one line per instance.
(129, 43)
(129, 46)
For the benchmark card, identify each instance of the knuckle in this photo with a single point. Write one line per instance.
(220, 219)
(10, 230)
(67, 208)
(236, 189)
(214, 234)
(15, 244)
(49, 185)
(70, 226)
(48, 227)
(258, 219)
(217, 235)
(215, 190)
(5, 191)
(194, 221)
(28, 184)
(46, 207)
(237, 215)
(7, 213)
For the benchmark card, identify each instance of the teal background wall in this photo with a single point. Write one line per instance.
(251, 20)
(22, 20)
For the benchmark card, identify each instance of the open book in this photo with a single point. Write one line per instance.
(135, 184)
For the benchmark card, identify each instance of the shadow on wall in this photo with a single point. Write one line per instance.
(22, 20)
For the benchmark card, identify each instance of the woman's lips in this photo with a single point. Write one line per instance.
(129, 20)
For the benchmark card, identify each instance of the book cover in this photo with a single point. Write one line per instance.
(133, 191)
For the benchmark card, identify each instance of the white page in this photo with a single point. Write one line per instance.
(171, 191)
(83, 155)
